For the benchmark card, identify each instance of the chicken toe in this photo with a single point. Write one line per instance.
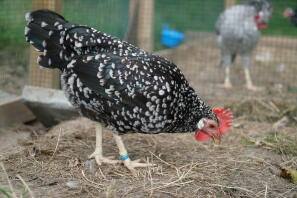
(101, 159)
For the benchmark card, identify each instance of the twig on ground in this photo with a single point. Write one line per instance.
(234, 187)
(266, 189)
(8, 180)
(26, 186)
(171, 165)
(57, 144)
(94, 184)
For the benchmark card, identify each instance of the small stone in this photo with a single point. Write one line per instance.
(73, 184)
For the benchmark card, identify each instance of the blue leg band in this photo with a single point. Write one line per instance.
(124, 157)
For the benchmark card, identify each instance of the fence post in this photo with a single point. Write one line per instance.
(49, 78)
(229, 3)
(131, 34)
(145, 24)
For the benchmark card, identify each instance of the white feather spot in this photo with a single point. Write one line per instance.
(71, 64)
(61, 54)
(161, 92)
(49, 62)
(60, 27)
(89, 58)
(50, 33)
(43, 24)
(27, 30)
(77, 44)
(28, 17)
(44, 44)
(111, 73)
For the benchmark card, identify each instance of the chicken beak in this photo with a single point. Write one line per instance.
(216, 138)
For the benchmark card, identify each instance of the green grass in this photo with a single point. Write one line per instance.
(283, 144)
(5, 193)
(278, 142)
(12, 22)
(111, 16)
(278, 24)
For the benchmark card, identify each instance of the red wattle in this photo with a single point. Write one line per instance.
(262, 26)
(201, 136)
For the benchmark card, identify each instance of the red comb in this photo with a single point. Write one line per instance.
(224, 118)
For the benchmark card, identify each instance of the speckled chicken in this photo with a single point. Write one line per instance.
(119, 85)
(238, 33)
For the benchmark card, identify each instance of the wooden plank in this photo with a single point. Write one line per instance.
(50, 106)
(145, 25)
(131, 34)
(13, 111)
(49, 78)
(229, 3)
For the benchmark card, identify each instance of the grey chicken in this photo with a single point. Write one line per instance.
(238, 33)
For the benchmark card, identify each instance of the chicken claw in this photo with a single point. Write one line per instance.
(100, 159)
(254, 88)
(131, 164)
(225, 85)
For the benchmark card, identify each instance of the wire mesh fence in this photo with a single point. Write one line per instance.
(272, 63)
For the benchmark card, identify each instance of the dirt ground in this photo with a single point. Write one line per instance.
(248, 163)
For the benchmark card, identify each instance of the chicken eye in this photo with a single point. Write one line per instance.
(212, 126)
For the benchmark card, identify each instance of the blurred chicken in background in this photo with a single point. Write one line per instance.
(238, 33)
(291, 14)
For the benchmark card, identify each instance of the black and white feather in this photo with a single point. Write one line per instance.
(114, 82)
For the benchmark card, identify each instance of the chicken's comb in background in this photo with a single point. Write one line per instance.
(224, 117)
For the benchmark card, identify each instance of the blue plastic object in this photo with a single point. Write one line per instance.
(171, 38)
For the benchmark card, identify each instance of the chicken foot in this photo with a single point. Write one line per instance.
(249, 85)
(227, 83)
(97, 154)
(130, 164)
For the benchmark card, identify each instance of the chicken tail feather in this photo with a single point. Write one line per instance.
(45, 30)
